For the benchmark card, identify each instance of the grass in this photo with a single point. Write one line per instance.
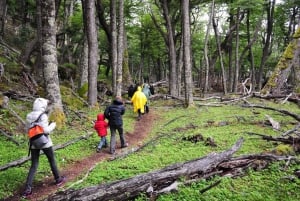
(225, 125)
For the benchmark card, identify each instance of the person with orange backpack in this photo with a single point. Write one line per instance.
(38, 127)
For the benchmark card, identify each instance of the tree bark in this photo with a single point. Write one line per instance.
(187, 63)
(155, 181)
(120, 49)
(267, 49)
(113, 45)
(224, 77)
(49, 52)
(289, 59)
(171, 48)
(93, 51)
(237, 44)
(3, 8)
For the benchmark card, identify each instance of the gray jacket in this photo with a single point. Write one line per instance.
(39, 107)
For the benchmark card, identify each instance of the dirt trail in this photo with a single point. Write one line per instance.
(72, 171)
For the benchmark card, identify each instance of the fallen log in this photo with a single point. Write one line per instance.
(155, 181)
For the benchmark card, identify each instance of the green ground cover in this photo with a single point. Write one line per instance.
(225, 125)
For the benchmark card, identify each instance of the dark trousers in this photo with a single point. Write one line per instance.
(113, 130)
(35, 155)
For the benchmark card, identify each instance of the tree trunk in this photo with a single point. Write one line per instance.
(267, 49)
(155, 181)
(113, 45)
(179, 67)
(49, 52)
(187, 63)
(224, 77)
(3, 8)
(171, 49)
(120, 48)
(206, 83)
(84, 62)
(93, 51)
(237, 44)
(289, 59)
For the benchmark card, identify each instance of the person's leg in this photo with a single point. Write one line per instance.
(101, 143)
(122, 139)
(112, 139)
(51, 158)
(105, 142)
(139, 114)
(35, 154)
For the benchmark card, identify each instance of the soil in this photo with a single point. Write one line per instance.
(72, 171)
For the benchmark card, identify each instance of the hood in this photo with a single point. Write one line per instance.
(100, 117)
(118, 101)
(146, 86)
(40, 104)
(139, 89)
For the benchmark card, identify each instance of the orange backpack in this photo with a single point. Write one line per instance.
(36, 129)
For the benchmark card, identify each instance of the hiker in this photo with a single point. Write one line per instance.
(101, 127)
(114, 114)
(131, 90)
(139, 101)
(147, 92)
(40, 106)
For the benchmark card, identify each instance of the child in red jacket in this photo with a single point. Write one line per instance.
(101, 127)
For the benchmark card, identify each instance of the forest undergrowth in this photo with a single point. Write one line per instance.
(168, 142)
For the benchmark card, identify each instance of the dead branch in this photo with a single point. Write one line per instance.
(25, 159)
(291, 131)
(295, 116)
(293, 98)
(210, 186)
(289, 140)
(217, 104)
(9, 137)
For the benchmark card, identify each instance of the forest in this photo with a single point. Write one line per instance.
(196, 54)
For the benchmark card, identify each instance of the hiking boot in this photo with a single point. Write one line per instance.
(98, 150)
(60, 181)
(125, 145)
(26, 193)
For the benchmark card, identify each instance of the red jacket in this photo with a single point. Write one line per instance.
(101, 125)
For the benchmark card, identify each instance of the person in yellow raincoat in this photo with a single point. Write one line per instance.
(139, 101)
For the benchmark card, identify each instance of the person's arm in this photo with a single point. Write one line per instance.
(44, 122)
(106, 113)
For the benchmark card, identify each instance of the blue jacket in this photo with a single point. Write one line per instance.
(114, 113)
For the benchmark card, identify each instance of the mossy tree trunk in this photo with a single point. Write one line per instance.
(289, 60)
(47, 42)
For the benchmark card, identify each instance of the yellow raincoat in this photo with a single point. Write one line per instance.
(139, 100)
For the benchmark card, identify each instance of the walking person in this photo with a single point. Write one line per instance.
(114, 114)
(139, 101)
(101, 127)
(40, 106)
(146, 90)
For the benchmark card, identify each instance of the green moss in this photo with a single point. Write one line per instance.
(284, 149)
(58, 116)
(297, 33)
(289, 52)
(82, 91)
(68, 97)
